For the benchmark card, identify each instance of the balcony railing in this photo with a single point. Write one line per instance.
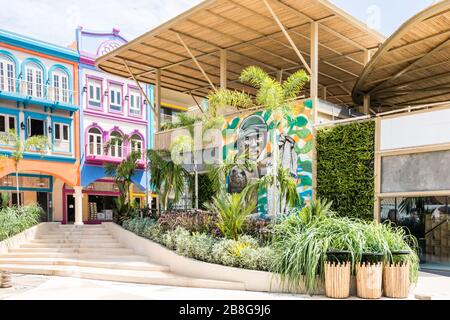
(97, 153)
(38, 91)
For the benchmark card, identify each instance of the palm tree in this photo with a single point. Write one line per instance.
(20, 147)
(122, 174)
(166, 176)
(272, 95)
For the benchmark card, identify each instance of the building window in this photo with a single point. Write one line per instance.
(61, 132)
(115, 98)
(36, 127)
(95, 142)
(136, 143)
(7, 75)
(61, 136)
(7, 123)
(135, 103)
(115, 143)
(95, 93)
(34, 84)
(60, 87)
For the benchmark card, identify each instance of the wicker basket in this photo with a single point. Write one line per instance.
(337, 280)
(369, 280)
(396, 281)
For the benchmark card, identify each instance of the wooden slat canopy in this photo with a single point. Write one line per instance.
(413, 66)
(250, 35)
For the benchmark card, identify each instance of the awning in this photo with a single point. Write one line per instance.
(413, 65)
(248, 33)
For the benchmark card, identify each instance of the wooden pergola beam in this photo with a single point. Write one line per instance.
(288, 37)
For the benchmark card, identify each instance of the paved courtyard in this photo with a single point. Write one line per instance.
(35, 287)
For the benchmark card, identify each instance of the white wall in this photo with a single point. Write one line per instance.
(415, 130)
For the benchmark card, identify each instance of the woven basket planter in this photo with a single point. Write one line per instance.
(369, 280)
(396, 281)
(337, 280)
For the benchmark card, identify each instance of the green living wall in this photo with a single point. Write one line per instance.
(345, 168)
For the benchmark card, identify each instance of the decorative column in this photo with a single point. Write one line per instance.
(78, 195)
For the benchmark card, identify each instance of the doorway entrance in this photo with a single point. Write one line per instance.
(70, 200)
(42, 200)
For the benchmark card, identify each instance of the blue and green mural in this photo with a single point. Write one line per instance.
(252, 132)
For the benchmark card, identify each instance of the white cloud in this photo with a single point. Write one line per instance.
(55, 20)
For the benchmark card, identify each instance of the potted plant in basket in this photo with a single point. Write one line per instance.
(337, 273)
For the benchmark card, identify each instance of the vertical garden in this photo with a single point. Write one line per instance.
(345, 168)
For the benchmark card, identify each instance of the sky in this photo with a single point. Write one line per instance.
(55, 20)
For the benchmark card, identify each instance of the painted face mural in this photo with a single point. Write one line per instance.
(250, 135)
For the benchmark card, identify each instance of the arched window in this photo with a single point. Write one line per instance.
(136, 143)
(95, 142)
(115, 145)
(34, 77)
(60, 82)
(7, 74)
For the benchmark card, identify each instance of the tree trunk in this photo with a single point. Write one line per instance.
(17, 187)
(166, 201)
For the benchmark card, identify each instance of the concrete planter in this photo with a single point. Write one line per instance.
(25, 236)
(253, 280)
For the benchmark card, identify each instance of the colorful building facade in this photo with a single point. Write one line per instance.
(115, 121)
(39, 95)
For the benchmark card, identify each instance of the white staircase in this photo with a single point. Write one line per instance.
(91, 252)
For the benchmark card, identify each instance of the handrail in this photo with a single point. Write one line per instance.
(24, 87)
(435, 227)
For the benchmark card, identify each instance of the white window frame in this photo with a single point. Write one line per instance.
(115, 94)
(34, 87)
(96, 89)
(7, 75)
(134, 143)
(95, 144)
(60, 86)
(8, 117)
(61, 143)
(134, 103)
(116, 145)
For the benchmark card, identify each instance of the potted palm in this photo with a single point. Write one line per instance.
(337, 274)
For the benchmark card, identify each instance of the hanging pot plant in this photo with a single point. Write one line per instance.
(369, 274)
(396, 278)
(337, 274)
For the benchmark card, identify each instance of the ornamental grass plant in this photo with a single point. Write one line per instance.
(14, 220)
(302, 240)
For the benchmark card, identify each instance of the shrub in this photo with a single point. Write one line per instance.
(260, 229)
(196, 221)
(201, 246)
(233, 211)
(14, 220)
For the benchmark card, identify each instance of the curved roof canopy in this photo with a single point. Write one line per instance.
(413, 66)
(251, 36)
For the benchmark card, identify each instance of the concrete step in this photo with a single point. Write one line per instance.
(72, 245)
(147, 277)
(72, 255)
(84, 226)
(74, 241)
(74, 236)
(79, 233)
(124, 264)
(73, 250)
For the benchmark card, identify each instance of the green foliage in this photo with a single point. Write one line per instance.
(200, 221)
(122, 174)
(166, 176)
(233, 210)
(4, 196)
(242, 253)
(14, 220)
(205, 190)
(184, 120)
(271, 94)
(302, 240)
(345, 168)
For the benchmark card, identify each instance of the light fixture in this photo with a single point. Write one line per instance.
(84, 89)
(22, 125)
(145, 101)
(50, 130)
(127, 98)
(106, 93)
